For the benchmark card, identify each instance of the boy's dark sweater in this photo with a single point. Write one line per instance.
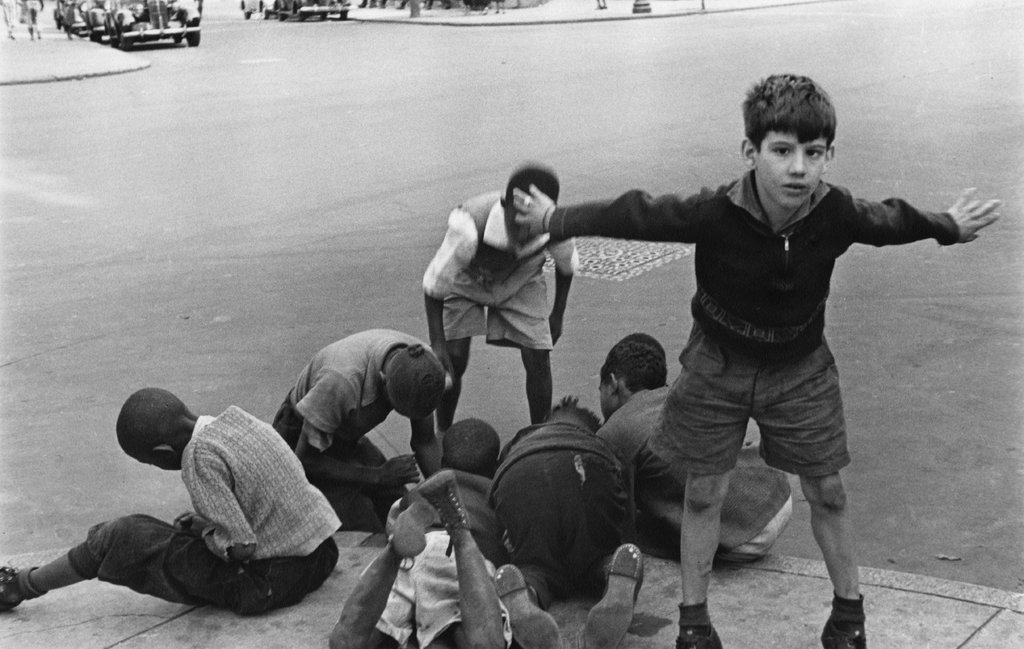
(759, 293)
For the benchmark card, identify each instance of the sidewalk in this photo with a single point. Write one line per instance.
(55, 58)
(778, 602)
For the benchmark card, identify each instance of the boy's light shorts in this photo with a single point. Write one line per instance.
(516, 309)
(425, 597)
(797, 406)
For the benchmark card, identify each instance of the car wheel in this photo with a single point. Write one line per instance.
(127, 44)
(192, 38)
(248, 15)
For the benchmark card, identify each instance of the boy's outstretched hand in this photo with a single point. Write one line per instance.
(533, 210)
(972, 215)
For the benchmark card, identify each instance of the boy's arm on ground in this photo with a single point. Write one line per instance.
(425, 445)
(633, 215)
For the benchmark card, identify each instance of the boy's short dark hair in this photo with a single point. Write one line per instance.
(571, 405)
(543, 177)
(471, 445)
(147, 420)
(414, 381)
(639, 359)
(788, 103)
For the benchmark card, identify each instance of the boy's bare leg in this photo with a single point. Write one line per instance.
(830, 522)
(698, 541)
(482, 626)
(537, 363)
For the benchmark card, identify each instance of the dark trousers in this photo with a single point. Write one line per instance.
(156, 558)
(563, 511)
(360, 507)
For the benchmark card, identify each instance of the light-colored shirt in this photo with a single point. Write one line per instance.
(462, 240)
(340, 392)
(245, 480)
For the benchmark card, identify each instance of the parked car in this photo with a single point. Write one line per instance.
(250, 7)
(95, 14)
(303, 9)
(153, 20)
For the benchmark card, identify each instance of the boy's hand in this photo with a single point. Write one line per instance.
(399, 470)
(533, 210)
(191, 522)
(555, 324)
(241, 551)
(972, 215)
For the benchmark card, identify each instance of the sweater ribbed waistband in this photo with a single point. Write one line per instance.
(748, 330)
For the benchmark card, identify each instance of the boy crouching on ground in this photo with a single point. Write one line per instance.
(260, 537)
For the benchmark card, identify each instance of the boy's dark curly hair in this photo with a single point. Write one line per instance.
(571, 406)
(639, 359)
(788, 103)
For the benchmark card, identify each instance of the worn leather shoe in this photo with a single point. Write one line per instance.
(609, 619)
(697, 638)
(532, 627)
(833, 637)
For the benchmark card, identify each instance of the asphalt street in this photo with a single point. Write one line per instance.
(206, 224)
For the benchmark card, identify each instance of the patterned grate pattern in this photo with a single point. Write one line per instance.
(618, 260)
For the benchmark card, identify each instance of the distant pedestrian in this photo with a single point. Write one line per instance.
(32, 10)
(10, 17)
(766, 247)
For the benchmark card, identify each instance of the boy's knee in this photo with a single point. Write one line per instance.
(537, 361)
(826, 492)
(705, 493)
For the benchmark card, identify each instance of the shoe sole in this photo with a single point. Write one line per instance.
(609, 619)
(532, 627)
(409, 537)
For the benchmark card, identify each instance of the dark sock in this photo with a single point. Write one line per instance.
(847, 613)
(28, 589)
(696, 615)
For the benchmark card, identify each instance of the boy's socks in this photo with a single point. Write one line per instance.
(695, 615)
(28, 589)
(847, 612)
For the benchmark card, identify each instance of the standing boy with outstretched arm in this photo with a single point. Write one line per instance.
(766, 246)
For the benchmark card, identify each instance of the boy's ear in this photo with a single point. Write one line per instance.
(749, 152)
(164, 455)
(830, 155)
(161, 449)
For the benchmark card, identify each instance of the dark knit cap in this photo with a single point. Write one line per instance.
(414, 380)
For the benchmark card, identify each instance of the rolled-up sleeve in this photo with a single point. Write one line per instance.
(456, 251)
